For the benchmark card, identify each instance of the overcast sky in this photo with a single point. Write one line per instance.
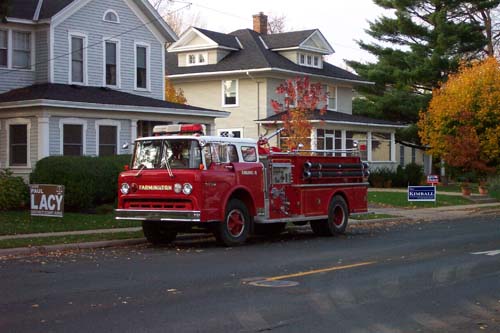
(341, 21)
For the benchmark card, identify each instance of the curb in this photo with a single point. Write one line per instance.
(25, 251)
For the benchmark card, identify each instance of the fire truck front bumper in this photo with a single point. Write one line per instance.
(158, 215)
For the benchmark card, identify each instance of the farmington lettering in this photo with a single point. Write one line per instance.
(155, 187)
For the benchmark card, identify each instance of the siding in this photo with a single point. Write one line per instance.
(88, 20)
(12, 79)
(42, 56)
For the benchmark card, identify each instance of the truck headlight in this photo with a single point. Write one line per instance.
(187, 189)
(124, 188)
(177, 188)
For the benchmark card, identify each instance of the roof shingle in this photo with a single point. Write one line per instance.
(85, 94)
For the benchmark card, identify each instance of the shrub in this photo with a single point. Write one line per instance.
(494, 187)
(14, 192)
(411, 174)
(88, 181)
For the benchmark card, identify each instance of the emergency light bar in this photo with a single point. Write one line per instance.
(185, 129)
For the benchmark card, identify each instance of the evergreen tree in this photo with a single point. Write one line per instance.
(417, 46)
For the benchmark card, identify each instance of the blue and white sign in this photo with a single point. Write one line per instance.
(421, 193)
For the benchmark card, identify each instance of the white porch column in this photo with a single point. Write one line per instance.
(43, 137)
(133, 129)
(314, 138)
(393, 147)
(369, 146)
(343, 141)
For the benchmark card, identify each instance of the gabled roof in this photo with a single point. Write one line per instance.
(27, 9)
(255, 56)
(220, 38)
(36, 10)
(340, 118)
(95, 96)
(286, 39)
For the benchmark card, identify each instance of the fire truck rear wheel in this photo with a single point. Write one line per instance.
(236, 225)
(338, 215)
(157, 234)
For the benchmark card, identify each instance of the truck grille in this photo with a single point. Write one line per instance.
(158, 204)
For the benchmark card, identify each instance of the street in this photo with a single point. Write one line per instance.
(439, 276)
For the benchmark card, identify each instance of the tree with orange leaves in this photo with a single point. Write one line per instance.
(174, 95)
(462, 123)
(300, 99)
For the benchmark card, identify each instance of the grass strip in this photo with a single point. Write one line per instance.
(372, 216)
(20, 222)
(400, 199)
(56, 240)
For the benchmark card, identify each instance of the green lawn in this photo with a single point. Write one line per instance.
(456, 188)
(39, 241)
(400, 199)
(12, 223)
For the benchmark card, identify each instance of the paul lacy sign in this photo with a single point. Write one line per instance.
(47, 200)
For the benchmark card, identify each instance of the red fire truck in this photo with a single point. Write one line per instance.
(184, 181)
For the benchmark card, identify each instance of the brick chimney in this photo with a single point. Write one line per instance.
(260, 23)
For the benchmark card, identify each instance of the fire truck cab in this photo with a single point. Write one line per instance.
(183, 181)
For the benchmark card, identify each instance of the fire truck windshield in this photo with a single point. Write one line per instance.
(167, 153)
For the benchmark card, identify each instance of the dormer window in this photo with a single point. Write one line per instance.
(111, 16)
(309, 60)
(196, 59)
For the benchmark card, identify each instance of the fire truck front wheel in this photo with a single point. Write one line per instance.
(157, 234)
(236, 225)
(338, 215)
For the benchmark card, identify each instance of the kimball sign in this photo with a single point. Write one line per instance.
(421, 193)
(47, 200)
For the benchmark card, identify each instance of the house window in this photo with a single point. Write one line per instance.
(332, 98)
(413, 155)
(302, 59)
(77, 59)
(230, 92)
(329, 140)
(21, 53)
(107, 140)
(141, 65)
(316, 61)
(353, 137)
(3, 48)
(72, 140)
(111, 16)
(18, 145)
(381, 146)
(197, 59)
(309, 60)
(111, 63)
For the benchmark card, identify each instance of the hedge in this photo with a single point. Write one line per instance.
(89, 181)
(411, 174)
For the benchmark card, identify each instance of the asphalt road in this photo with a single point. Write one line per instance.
(377, 278)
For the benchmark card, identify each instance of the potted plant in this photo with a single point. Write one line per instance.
(466, 188)
(483, 187)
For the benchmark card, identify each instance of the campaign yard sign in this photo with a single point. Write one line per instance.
(421, 193)
(47, 200)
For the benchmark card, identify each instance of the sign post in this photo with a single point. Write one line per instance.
(47, 200)
(422, 193)
(432, 180)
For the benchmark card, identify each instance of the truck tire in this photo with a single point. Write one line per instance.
(236, 225)
(158, 234)
(338, 216)
(271, 229)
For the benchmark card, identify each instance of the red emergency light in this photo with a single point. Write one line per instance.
(182, 129)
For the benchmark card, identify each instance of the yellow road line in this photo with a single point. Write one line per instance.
(316, 271)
